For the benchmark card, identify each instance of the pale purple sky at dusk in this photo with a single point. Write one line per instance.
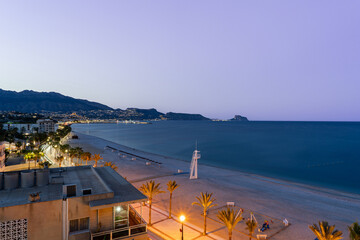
(267, 60)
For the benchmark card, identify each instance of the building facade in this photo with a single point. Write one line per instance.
(46, 125)
(21, 127)
(74, 203)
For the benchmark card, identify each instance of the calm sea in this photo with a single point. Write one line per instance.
(325, 154)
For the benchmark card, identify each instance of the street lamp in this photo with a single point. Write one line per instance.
(182, 219)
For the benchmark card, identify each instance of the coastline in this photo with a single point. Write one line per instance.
(301, 204)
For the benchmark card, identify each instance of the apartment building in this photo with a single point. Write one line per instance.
(74, 203)
(46, 125)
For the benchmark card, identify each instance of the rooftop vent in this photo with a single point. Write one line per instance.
(11, 180)
(87, 191)
(42, 177)
(27, 179)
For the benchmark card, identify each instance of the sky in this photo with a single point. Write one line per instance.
(266, 60)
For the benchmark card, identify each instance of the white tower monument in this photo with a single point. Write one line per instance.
(194, 164)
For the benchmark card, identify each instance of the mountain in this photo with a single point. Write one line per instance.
(239, 118)
(184, 116)
(36, 102)
(142, 114)
(31, 101)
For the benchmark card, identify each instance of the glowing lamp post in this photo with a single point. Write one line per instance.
(182, 219)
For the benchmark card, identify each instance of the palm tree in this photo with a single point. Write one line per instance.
(64, 147)
(110, 164)
(86, 156)
(206, 201)
(251, 225)
(325, 232)
(171, 186)
(29, 156)
(72, 154)
(354, 230)
(60, 159)
(96, 158)
(229, 218)
(150, 189)
(79, 151)
(38, 155)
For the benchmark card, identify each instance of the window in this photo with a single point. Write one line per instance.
(121, 217)
(74, 225)
(79, 224)
(84, 223)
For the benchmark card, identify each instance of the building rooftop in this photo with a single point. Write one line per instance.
(102, 185)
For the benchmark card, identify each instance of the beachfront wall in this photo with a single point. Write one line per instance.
(32, 221)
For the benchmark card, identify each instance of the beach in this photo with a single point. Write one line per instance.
(269, 199)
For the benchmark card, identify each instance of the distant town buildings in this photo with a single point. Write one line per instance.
(2, 156)
(72, 203)
(21, 127)
(41, 126)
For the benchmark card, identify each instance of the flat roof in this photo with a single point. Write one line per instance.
(102, 181)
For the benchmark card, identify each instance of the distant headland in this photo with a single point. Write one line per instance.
(239, 118)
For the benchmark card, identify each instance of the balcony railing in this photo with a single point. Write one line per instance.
(120, 233)
(137, 227)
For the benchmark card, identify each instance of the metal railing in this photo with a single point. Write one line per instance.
(120, 233)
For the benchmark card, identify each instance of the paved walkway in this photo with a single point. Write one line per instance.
(169, 229)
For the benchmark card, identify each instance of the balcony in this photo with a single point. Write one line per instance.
(137, 226)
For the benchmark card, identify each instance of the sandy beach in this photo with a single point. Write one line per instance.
(269, 199)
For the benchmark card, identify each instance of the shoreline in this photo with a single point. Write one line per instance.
(301, 204)
(274, 180)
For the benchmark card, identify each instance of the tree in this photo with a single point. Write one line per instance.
(60, 159)
(72, 154)
(110, 164)
(251, 225)
(96, 158)
(29, 156)
(150, 189)
(229, 218)
(354, 230)
(325, 232)
(18, 145)
(86, 156)
(206, 201)
(79, 151)
(171, 186)
(37, 155)
(64, 148)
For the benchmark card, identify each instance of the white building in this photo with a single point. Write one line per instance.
(21, 127)
(46, 125)
(2, 156)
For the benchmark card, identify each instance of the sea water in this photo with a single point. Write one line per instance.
(322, 154)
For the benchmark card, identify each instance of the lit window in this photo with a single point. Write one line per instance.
(121, 216)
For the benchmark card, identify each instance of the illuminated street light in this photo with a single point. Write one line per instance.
(182, 219)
